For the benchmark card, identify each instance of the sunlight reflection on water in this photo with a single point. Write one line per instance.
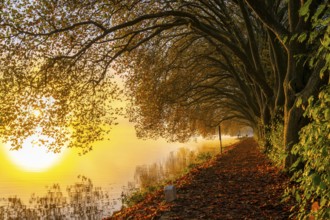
(108, 166)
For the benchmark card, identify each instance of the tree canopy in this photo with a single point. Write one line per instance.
(188, 65)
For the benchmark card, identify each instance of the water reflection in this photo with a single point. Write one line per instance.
(110, 164)
(81, 200)
(150, 177)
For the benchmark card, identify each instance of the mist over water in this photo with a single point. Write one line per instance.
(110, 165)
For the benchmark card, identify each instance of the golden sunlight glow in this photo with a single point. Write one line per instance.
(32, 157)
(36, 113)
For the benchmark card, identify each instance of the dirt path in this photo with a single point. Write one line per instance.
(240, 184)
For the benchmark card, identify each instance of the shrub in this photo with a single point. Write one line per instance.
(313, 150)
(276, 152)
(204, 156)
(133, 197)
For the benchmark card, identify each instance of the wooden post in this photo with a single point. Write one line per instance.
(220, 138)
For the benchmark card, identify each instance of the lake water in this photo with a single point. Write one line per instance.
(111, 165)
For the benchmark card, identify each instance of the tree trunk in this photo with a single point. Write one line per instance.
(292, 126)
(292, 114)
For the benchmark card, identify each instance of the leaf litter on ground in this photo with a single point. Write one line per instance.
(239, 184)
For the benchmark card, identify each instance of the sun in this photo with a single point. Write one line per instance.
(33, 158)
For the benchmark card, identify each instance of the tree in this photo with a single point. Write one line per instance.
(300, 81)
(312, 187)
(188, 64)
(161, 74)
(43, 94)
(278, 82)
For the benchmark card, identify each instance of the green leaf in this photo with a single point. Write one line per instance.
(298, 198)
(323, 201)
(323, 186)
(304, 10)
(310, 100)
(285, 39)
(328, 212)
(316, 179)
(327, 114)
(324, 151)
(299, 102)
(295, 164)
(318, 12)
(302, 37)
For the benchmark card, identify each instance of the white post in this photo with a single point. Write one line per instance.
(170, 193)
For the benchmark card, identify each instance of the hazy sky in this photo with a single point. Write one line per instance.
(109, 162)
